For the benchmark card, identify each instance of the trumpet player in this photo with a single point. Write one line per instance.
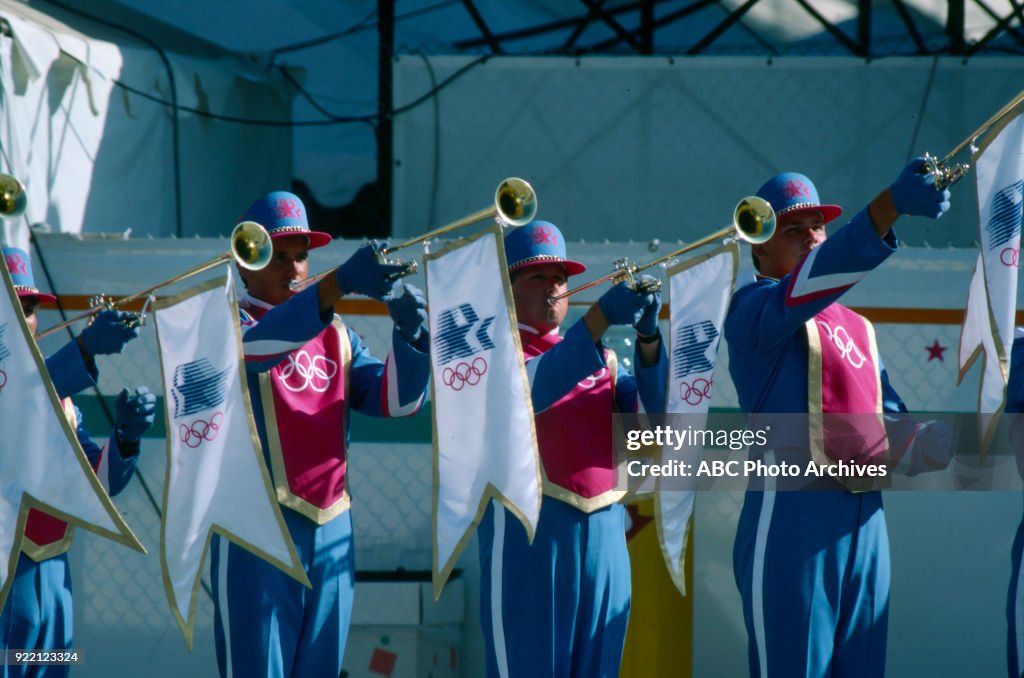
(38, 614)
(559, 606)
(306, 373)
(812, 564)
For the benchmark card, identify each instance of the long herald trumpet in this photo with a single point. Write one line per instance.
(515, 204)
(753, 220)
(947, 173)
(251, 248)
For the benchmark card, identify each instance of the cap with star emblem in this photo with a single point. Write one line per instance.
(538, 242)
(792, 192)
(283, 214)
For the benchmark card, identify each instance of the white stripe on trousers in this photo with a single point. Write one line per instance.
(497, 561)
(764, 522)
(222, 578)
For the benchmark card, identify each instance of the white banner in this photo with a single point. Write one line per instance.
(216, 480)
(485, 444)
(41, 462)
(992, 300)
(700, 290)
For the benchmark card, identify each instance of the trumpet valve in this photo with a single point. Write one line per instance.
(945, 174)
(647, 284)
(408, 267)
(100, 300)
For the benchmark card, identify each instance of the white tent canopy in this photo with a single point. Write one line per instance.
(85, 130)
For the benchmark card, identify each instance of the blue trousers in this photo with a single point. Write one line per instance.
(266, 624)
(813, 573)
(38, 613)
(560, 606)
(1015, 608)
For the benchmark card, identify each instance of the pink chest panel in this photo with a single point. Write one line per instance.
(849, 389)
(309, 406)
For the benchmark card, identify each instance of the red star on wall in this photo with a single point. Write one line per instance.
(935, 351)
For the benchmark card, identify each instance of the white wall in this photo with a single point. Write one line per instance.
(659, 148)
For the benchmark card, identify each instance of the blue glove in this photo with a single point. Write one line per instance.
(915, 194)
(135, 413)
(647, 325)
(623, 306)
(933, 447)
(409, 311)
(108, 334)
(364, 274)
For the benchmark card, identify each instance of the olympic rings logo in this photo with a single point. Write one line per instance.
(311, 372)
(591, 381)
(844, 342)
(1009, 256)
(695, 393)
(464, 374)
(193, 435)
(3, 380)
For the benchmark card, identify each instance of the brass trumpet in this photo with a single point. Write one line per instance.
(515, 204)
(947, 173)
(753, 220)
(251, 248)
(13, 199)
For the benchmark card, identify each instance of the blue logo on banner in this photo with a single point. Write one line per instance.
(689, 355)
(4, 351)
(461, 333)
(1004, 223)
(197, 387)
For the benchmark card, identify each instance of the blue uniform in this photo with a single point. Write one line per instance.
(812, 567)
(38, 612)
(1014, 598)
(305, 373)
(560, 606)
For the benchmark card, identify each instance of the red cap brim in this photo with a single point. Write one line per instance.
(316, 238)
(827, 212)
(571, 267)
(41, 297)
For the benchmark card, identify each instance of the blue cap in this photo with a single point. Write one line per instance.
(793, 192)
(538, 242)
(283, 214)
(20, 266)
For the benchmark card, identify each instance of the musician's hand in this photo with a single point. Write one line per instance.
(108, 334)
(364, 274)
(647, 325)
(622, 306)
(915, 194)
(136, 412)
(409, 311)
(933, 447)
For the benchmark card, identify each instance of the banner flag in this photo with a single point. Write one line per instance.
(485, 444)
(700, 290)
(216, 479)
(988, 325)
(41, 462)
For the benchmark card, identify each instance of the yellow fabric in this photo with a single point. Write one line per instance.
(659, 640)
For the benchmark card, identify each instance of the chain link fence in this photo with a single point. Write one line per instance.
(123, 616)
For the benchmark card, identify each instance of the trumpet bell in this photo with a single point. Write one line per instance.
(515, 201)
(251, 245)
(13, 199)
(754, 220)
